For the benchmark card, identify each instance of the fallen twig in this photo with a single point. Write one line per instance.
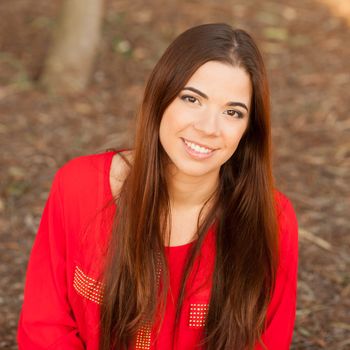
(314, 239)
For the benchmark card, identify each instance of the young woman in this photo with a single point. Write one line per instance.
(182, 242)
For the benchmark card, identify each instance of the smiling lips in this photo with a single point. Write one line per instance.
(197, 150)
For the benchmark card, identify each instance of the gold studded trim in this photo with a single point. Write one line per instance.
(87, 286)
(92, 289)
(143, 338)
(198, 315)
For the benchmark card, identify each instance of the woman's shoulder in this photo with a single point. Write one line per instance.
(82, 171)
(101, 174)
(288, 225)
(284, 205)
(85, 165)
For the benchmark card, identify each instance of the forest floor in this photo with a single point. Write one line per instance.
(306, 47)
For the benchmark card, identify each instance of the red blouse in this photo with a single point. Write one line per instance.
(63, 294)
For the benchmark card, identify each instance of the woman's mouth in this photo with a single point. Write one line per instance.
(196, 150)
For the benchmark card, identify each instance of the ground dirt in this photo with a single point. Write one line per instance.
(306, 47)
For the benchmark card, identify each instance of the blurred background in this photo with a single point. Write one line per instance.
(72, 75)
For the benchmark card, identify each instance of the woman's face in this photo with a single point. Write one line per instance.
(201, 128)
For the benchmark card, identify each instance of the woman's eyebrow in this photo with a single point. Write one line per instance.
(240, 104)
(200, 93)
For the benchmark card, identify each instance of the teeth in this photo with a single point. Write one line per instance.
(197, 148)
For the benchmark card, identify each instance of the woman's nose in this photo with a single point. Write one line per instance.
(208, 122)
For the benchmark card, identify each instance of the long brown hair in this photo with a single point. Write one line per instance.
(244, 208)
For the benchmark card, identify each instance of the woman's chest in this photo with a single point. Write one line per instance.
(86, 296)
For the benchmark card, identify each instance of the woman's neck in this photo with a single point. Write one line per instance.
(190, 191)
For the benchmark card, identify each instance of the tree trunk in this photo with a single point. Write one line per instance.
(70, 60)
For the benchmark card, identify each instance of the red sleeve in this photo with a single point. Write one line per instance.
(282, 308)
(46, 320)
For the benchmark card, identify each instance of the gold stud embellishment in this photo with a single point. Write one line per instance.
(87, 286)
(143, 338)
(198, 315)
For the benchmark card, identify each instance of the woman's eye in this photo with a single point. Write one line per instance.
(234, 113)
(189, 98)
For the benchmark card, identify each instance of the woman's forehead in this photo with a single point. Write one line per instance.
(217, 79)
